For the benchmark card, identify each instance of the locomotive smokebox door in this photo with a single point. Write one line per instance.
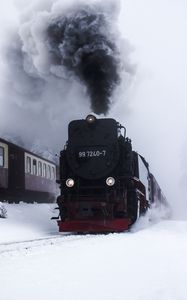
(92, 150)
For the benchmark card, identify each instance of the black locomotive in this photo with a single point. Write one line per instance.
(105, 185)
(25, 176)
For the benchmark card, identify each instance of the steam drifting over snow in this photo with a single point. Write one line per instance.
(64, 60)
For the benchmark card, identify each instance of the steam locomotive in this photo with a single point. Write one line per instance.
(25, 176)
(105, 185)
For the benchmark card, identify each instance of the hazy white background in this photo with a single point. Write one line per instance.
(157, 122)
(154, 108)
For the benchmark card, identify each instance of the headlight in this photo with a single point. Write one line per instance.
(110, 181)
(70, 182)
(90, 119)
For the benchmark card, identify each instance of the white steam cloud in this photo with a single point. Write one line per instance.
(50, 61)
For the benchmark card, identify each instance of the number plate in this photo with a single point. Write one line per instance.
(92, 153)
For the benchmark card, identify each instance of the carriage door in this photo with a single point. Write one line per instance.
(16, 169)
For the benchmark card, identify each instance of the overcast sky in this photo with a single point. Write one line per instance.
(154, 109)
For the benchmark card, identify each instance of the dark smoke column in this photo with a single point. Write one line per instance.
(82, 43)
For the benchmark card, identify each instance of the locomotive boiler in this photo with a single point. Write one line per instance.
(105, 185)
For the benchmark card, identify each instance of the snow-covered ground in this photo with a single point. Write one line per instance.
(147, 263)
(27, 221)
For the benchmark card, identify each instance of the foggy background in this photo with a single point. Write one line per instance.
(150, 99)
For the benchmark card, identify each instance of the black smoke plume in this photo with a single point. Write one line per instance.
(81, 42)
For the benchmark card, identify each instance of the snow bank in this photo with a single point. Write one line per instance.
(3, 211)
(27, 221)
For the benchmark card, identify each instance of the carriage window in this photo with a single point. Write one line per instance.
(28, 164)
(53, 173)
(1, 157)
(44, 170)
(34, 163)
(39, 168)
(48, 171)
